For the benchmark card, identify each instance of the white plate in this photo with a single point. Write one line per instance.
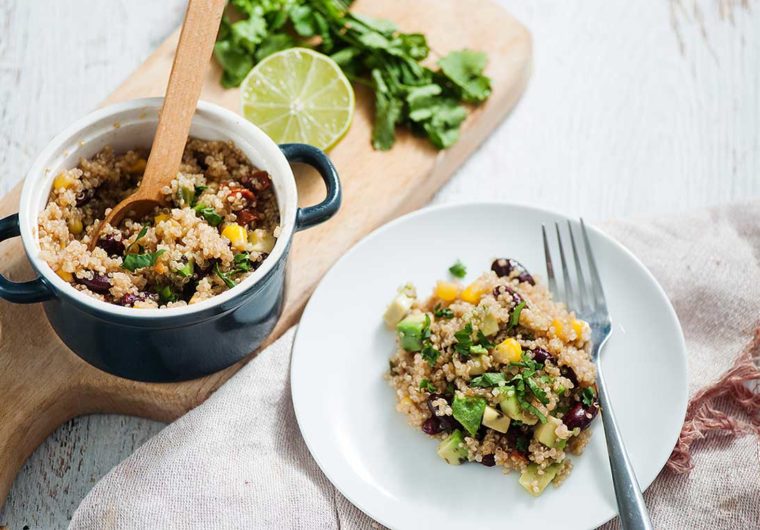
(346, 410)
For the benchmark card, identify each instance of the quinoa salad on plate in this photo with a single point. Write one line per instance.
(497, 371)
(219, 222)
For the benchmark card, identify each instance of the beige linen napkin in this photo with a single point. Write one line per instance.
(238, 460)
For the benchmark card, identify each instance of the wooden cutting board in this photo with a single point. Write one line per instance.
(43, 384)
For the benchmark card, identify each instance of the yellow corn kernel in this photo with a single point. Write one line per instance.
(62, 181)
(579, 327)
(237, 235)
(559, 329)
(261, 240)
(472, 293)
(75, 226)
(508, 351)
(138, 166)
(446, 291)
(161, 217)
(65, 275)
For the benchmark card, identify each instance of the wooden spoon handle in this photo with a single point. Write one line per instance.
(196, 43)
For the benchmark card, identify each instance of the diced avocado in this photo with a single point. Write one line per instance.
(469, 412)
(489, 325)
(453, 449)
(410, 332)
(495, 420)
(545, 433)
(477, 349)
(511, 407)
(534, 482)
(476, 366)
(397, 309)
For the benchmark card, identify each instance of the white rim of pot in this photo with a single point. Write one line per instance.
(39, 179)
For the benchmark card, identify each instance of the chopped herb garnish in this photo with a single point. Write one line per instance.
(588, 396)
(198, 190)
(224, 276)
(442, 312)
(186, 196)
(140, 235)
(483, 341)
(208, 213)
(186, 270)
(132, 262)
(427, 385)
(521, 444)
(488, 380)
(514, 319)
(166, 294)
(242, 262)
(458, 269)
(429, 353)
(477, 349)
(464, 340)
(536, 390)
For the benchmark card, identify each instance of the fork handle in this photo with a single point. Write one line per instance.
(633, 511)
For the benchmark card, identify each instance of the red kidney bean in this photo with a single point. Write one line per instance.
(129, 299)
(112, 246)
(259, 181)
(98, 284)
(504, 289)
(431, 426)
(504, 266)
(540, 355)
(578, 416)
(85, 197)
(488, 460)
(246, 216)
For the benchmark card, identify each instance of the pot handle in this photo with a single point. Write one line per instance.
(308, 154)
(26, 292)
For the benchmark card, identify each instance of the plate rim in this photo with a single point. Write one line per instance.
(682, 350)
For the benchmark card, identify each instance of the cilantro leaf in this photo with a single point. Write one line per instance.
(487, 380)
(463, 340)
(427, 385)
(458, 269)
(132, 262)
(208, 213)
(429, 353)
(536, 390)
(469, 412)
(588, 396)
(514, 318)
(242, 262)
(464, 69)
(442, 312)
(224, 276)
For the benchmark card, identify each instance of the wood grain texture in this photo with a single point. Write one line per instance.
(376, 187)
(631, 110)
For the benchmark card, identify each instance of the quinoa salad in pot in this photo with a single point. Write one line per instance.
(220, 220)
(497, 371)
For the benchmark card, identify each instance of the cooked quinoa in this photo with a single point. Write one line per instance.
(497, 371)
(219, 222)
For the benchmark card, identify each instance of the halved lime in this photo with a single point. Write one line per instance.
(299, 95)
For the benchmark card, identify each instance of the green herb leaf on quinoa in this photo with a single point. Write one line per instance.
(242, 262)
(186, 270)
(488, 380)
(469, 412)
(536, 390)
(477, 349)
(429, 353)
(132, 262)
(588, 396)
(483, 341)
(208, 213)
(198, 190)
(458, 269)
(464, 340)
(166, 294)
(514, 318)
(442, 312)
(224, 276)
(427, 385)
(140, 235)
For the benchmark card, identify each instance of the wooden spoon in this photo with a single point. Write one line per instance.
(196, 42)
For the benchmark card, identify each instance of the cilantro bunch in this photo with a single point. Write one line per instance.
(372, 53)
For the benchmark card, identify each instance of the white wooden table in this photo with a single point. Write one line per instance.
(634, 108)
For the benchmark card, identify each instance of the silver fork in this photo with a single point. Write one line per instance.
(588, 302)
